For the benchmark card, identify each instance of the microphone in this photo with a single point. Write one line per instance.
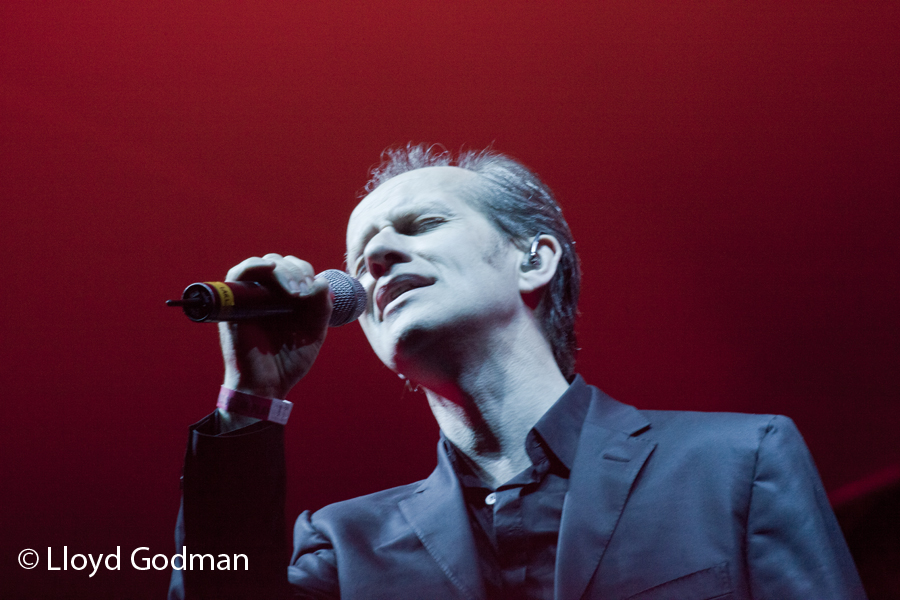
(214, 301)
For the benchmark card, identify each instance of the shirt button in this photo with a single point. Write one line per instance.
(490, 499)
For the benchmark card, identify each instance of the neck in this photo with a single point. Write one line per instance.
(486, 402)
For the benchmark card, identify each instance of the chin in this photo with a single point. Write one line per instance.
(392, 341)
(405, 342)
(422, 351)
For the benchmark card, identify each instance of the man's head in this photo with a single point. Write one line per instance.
(518, 206)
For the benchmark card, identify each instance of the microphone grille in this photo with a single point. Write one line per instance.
(349, 297)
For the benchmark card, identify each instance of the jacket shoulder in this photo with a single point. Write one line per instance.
(364, 511)
(725, 430)
(713, 423)
(682, 424)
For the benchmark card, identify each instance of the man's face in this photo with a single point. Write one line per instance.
(431, 263)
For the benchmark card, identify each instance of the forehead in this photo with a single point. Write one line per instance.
(429, 188)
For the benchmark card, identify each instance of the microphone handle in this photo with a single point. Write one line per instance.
(214, 301)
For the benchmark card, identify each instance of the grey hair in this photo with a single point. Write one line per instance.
(520, 205)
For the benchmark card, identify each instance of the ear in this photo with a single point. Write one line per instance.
(533, 278)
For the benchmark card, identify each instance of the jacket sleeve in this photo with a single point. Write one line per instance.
(233, 494)
(795, 547)
(314, 564)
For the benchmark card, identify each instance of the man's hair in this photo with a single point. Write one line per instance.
(520, 205)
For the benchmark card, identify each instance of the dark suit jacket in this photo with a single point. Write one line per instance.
(660, 505)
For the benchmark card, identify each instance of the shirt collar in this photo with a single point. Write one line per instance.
(560, 427)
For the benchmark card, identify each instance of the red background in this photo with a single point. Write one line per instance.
(730, 171)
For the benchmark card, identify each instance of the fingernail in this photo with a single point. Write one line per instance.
(292, 285)
(302, 287)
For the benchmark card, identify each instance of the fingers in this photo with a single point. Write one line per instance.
(320, 286)
(294, 276)
(251, 269)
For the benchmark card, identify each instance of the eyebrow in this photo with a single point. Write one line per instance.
(396, 215)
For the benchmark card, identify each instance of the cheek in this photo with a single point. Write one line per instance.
(372, 333)
(366, 326)
(497, 251)
(369, 286)
(376, 343)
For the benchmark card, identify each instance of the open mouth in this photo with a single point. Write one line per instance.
(398, 286)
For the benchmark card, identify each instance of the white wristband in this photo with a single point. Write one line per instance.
(267, 409)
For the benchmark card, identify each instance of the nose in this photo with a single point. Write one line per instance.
(384, 250)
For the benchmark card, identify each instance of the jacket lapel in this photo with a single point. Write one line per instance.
(607, 462)
(437, 514)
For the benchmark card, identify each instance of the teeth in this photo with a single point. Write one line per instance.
(403, 287)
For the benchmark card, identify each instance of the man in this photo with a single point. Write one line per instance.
(545, 487)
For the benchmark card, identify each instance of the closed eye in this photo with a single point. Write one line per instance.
(408, 225)
(420, 225)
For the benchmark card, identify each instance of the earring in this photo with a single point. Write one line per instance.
(533, 259)
(408, 384)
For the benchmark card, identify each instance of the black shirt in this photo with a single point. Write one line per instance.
(516, 526)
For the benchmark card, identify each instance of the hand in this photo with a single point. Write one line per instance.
(267, 357)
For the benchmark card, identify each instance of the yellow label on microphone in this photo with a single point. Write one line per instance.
(226, 297)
